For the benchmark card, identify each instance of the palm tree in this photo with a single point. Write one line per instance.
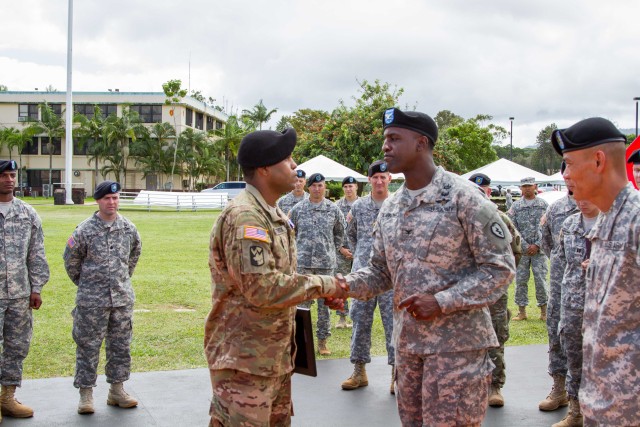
(229, 138)
(259, 114)
(166, 136)
(19, 139)
(118, 132)
(92, 133)
(53, 126)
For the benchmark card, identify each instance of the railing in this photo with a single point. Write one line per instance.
(159, 200)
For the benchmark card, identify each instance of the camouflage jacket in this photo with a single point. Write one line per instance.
(100, 260)
(573, 251)
(551, 225)
(527, 220)
(360, 230)
(288, 201)
(255, 288)
(611, 328)
(319, 233)
(23, 265)
(450, 242)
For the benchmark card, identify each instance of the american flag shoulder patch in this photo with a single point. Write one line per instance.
(71, 242)
(256, 233)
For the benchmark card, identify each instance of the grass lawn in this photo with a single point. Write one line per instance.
(172, 286)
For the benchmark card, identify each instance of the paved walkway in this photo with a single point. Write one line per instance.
(181, 398)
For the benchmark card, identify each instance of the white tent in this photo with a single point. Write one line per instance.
(332, 170)
(556, 178)
(505, 172)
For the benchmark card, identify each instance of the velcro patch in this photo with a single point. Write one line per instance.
(71, 242)
(497, 230)
(257, 256)
(256, 233)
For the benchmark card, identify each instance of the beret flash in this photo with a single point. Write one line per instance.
(377, 167)
(412, 120)
(584, 134)
(316, 177)
(634, 157)
(300, 173)
(266, 147)
(8, 165)
(480, 179)
(348, 180)
(104, 188)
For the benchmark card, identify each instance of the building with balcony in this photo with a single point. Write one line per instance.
(20, 109)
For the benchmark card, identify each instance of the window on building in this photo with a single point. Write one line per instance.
(31, 147)
(81, 147)
(189, 118)
(210, 123)
(218, 125)
(57, 109)
(87, 110)
(148, 113)
(27, 112)
(35, 178)
(57, 145)
(199, 121)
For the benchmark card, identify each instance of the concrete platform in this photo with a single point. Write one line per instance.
(181, 398)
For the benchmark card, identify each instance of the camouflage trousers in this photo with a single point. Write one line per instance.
(344, 267)
(571, 338)
(500, 320)
(448, 389)
(557, 357)
(92, 325)
(362, 315)
(537, 263)
(16, 324)
(245, 400)
(323, 328)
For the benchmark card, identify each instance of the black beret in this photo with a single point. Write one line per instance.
(634, 157)
(412, 120)
(266, 148)
(316, 177)
(377, 167)
(8, 165)
(300, 173)
(584, 134)
(104, 188)
(480, 179)
(348, 180)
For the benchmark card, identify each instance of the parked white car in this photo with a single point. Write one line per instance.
(515, 190)
(231, 188)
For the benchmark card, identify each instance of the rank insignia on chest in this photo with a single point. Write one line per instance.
(257, 256)
(71, 242)
(256, 233)
(497, 230)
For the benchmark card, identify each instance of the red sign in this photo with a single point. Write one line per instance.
(635, 145)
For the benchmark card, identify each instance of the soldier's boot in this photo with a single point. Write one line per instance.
(10, 407)
(543, 312)
(496, 399)
(574, 416)
(557, 397)
(357, 379)
(119, 397)
(522, 313)
(85, 406)
(392, 387)
(342, 322)
(322, 348)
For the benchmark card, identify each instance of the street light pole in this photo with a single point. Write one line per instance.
(511, 137)
(637, 98)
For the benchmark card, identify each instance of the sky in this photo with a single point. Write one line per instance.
(541, 62)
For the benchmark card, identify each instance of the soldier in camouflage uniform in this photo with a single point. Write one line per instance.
(23, 272)
(344, 257)
(443, 249)
(100, 257)
(359, 237)
(289, 200)
(574, 254)
(319, 227)
(550, 226)
(594, 151)
(500, 315)
(526, 214)
(255, 289)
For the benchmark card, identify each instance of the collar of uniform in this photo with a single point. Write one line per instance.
(103, 224)
(604, 226)
(12, 208)
(273, 211)
(431, 193)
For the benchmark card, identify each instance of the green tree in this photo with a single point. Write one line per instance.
(229, 138)
(259, 114)
(91, 133)
(154, 153)
(119, 131)
(18, 139)
(545, 159)
(174, 93)
(53, 126)
(196, 155)
(283, 123)
(472, 141)
(3, 88)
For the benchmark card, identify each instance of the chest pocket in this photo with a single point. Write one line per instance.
(281, 250)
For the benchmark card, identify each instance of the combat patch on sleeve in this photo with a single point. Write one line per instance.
(255, 233)
(256, 257)
(497, 230)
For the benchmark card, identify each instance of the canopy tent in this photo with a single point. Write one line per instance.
(556, 178)
(332, 170)
(505, 172)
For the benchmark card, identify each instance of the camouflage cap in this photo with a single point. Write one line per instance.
(527, 181)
